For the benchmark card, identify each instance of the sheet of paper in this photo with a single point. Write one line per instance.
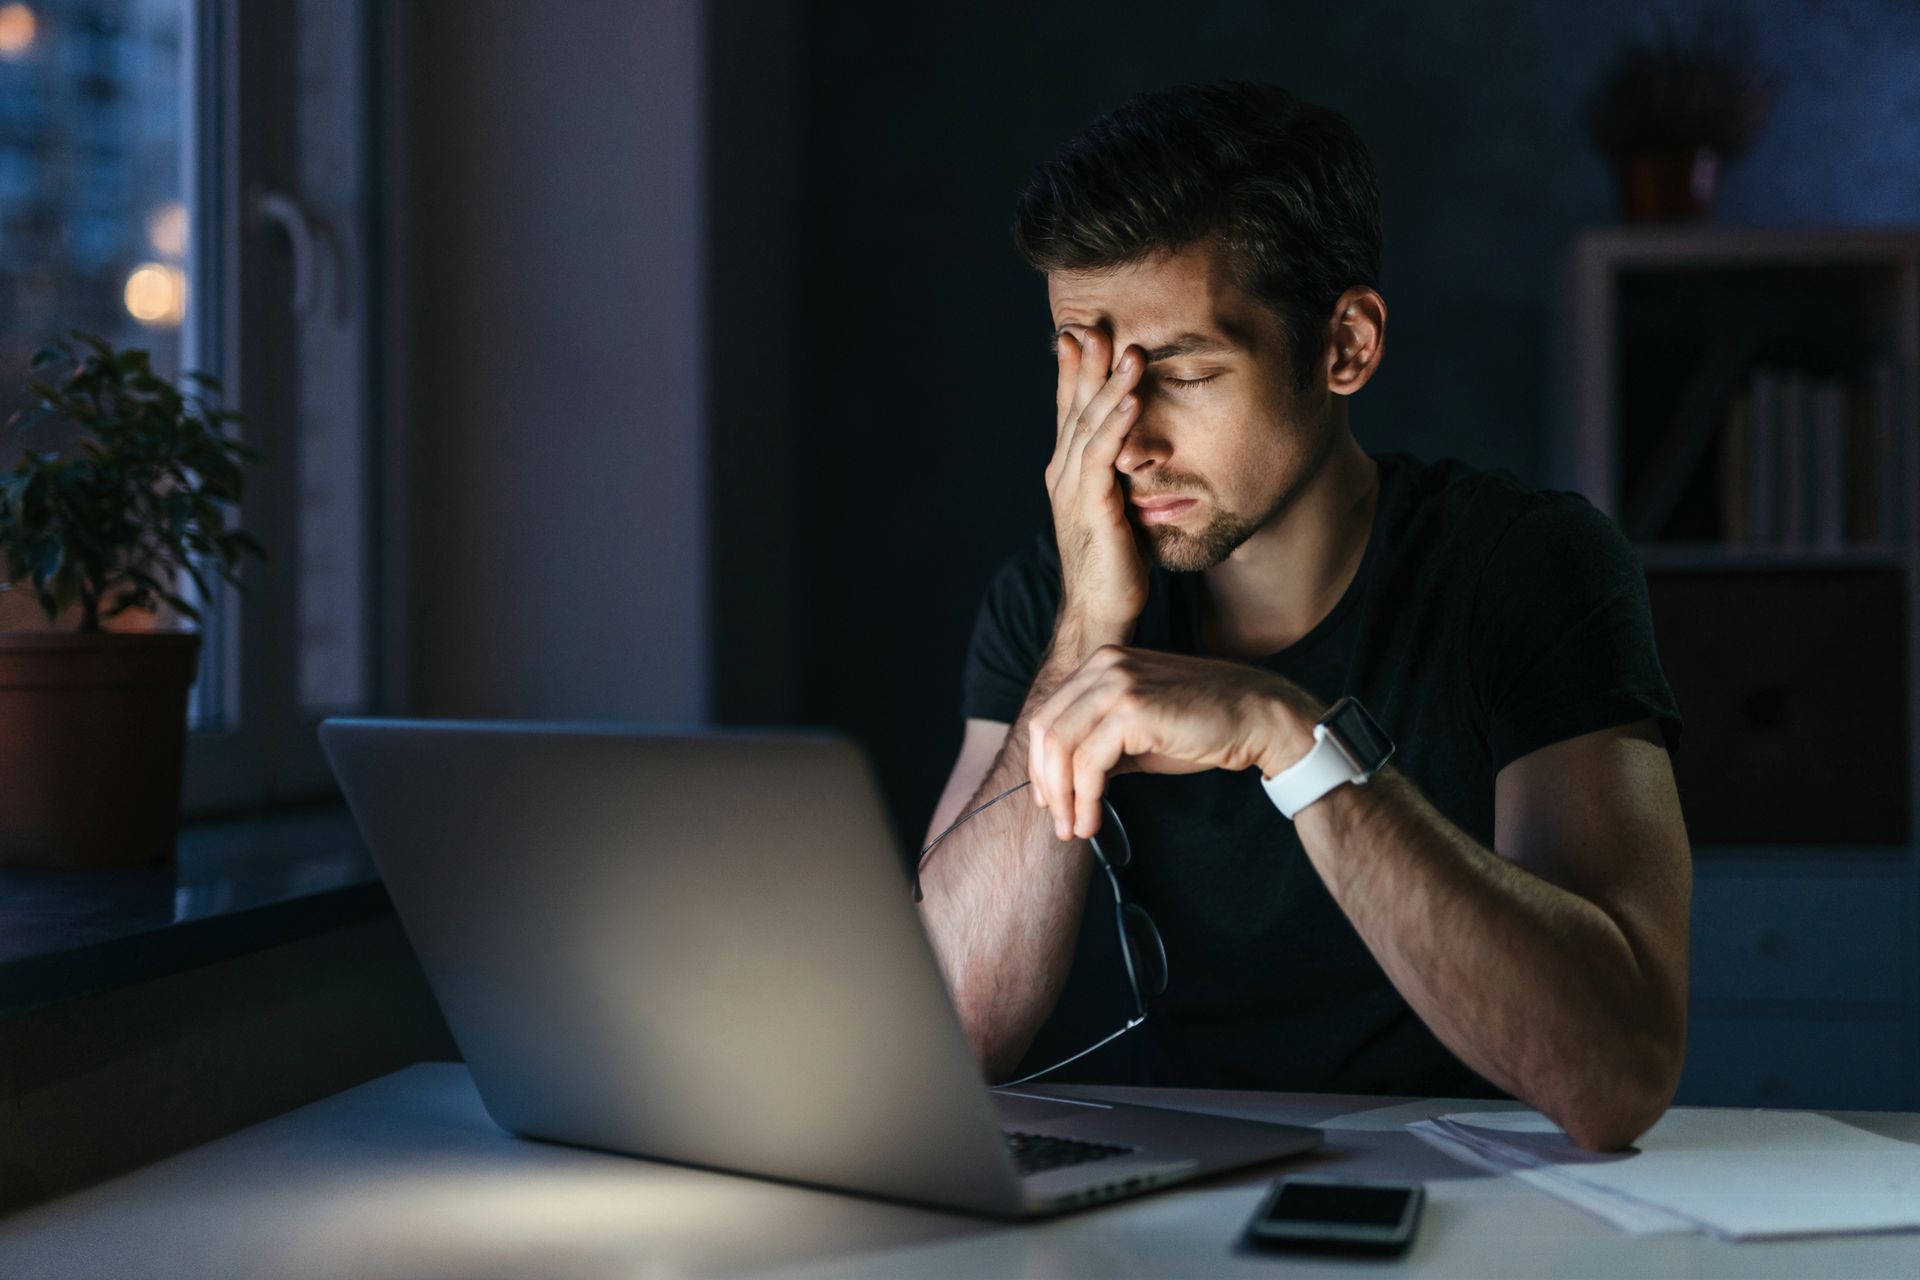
(1627, 1214)
(1737, 1173)
(1398, 1115)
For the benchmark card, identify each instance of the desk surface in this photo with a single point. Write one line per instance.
(406, 1176)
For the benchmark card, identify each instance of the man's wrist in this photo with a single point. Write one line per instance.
(1072, 644)
(1288, 734)
(1076, 636)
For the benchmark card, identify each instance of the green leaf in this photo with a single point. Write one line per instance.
(46, 557)
(140, 497)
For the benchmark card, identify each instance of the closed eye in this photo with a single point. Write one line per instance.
(1190, 382)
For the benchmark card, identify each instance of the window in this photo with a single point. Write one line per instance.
(190, 176)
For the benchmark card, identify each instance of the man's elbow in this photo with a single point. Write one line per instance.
(996, 1045)
(1615, 1113)
(997, 1054)
(1610, 1126)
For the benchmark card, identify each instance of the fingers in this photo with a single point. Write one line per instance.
(1093, 362)
(1054, 736)
(1096, 357)
(1098, 756)
(1112, 409)
(1111, 417)
(1076, 753)
(1067, 351)
(1087, 748)
(1087, 387)
(1052, 759)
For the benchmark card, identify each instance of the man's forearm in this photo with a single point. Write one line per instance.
(1003, 896)
(1533, 986)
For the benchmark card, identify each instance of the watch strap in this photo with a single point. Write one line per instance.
(1322, 769)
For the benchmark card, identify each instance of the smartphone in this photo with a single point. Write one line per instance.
(1338, 1215)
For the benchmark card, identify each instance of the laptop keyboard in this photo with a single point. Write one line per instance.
(1037, 1152)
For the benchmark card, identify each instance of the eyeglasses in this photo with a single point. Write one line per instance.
(1140, 945)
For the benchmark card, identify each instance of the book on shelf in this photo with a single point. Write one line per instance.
(1863, 477)
(1827, 462)
(1893, 414)
(1790, 477)
(1813, 462)
(1758, 459)
(1735, 491)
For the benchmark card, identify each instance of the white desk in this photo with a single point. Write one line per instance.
(406, 1176)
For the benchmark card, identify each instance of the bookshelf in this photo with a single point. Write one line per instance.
(1744, 402)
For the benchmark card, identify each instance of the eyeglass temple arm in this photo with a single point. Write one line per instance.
(1121, 924)
(955, 825)
(1131, 1024)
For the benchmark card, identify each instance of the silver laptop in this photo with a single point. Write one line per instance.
(700, 946)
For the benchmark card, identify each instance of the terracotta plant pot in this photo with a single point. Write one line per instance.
(93, 734)
(1676, 185)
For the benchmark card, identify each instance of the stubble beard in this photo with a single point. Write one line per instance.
(1178, 551)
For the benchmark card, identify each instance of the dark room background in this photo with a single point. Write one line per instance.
(670, 362)
(724, 393)
(881, 391)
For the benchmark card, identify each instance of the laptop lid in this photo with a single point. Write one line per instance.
(688, 945)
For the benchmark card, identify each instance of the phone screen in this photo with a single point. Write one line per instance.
(1335, 1214)
(1320, 1202)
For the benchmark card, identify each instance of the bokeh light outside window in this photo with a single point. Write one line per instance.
(95, 213)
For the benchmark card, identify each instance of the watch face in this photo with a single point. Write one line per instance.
(1359, 733)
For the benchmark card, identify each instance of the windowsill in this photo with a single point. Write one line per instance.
(237, 885)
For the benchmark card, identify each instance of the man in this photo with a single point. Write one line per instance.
(1503, 905)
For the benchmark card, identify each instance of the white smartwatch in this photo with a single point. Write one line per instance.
(1348, 746)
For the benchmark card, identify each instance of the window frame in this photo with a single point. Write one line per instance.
(243, 130)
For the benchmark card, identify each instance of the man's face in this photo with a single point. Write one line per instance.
(1218, 421)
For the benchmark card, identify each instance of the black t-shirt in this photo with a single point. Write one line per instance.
(1487, 619)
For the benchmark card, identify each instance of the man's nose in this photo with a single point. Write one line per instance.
(1143, 449)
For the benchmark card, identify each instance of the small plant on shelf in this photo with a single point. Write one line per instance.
(111, 522)
(1674, 109)
(107, 524)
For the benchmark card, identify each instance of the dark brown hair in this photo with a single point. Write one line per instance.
(1287, 188)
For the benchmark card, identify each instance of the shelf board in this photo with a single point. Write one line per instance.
(1721, 555)
(1710, 245)
(1822, 860)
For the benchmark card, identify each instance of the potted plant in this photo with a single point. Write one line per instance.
(1671, 112)
(100, 528)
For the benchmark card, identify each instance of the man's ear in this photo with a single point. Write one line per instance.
(1356, 339)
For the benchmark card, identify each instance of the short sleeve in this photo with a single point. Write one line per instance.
(1562, 633)
(1011, 633)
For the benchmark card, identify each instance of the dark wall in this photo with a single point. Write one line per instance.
(555, 404)
(922, 388)
(753, 347)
